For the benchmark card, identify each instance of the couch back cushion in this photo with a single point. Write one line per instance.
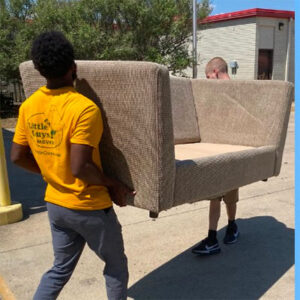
(137, 145)
(244, 112)
(185, 124)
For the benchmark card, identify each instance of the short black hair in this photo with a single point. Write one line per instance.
(52, 54)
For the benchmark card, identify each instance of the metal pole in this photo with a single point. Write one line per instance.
(287, 62)
(195, 38)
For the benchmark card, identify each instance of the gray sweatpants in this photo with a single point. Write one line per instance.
(71, 229)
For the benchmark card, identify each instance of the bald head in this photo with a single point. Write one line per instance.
(216, 68)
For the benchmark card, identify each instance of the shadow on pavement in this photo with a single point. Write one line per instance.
(25, 187)
(246, 270)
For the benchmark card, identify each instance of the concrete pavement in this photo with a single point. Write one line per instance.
(260, 265)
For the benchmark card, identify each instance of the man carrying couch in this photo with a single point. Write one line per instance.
(217, 68)
(57, 135)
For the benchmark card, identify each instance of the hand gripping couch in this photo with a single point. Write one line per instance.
(178, 140)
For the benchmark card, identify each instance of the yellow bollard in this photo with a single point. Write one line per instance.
(4, 187)
(9, 212)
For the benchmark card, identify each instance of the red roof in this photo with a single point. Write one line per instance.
(248, 13)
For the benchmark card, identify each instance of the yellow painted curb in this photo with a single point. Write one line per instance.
(5, 292)
(11, 213)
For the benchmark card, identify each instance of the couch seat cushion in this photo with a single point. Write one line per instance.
(205, 170)
(198, 150)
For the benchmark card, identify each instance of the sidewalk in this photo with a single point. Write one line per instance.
(161, 265)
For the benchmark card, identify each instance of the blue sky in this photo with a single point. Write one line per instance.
(225, 6)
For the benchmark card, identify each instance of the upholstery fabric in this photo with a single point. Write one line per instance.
(251, 113)
(198, 150)
(243, 127)
(138, 144)
(185, 123)
(214, 175)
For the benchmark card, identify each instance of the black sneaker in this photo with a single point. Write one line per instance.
(207, 247)
(231, 235)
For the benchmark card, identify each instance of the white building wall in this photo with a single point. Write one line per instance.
(280, 43)
(232, 40)
(265, 36)
(240, 40)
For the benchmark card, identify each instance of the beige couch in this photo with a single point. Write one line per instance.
(227, 133)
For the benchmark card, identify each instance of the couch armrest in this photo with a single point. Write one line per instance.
(137, 145)
(251, 113)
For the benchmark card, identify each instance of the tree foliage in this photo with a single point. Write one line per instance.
(149, 30)
(205, 8)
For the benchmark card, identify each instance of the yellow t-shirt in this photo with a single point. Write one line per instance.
(49, 121)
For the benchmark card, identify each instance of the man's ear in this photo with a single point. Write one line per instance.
(74, 71)
(74, 67)
(216, 71)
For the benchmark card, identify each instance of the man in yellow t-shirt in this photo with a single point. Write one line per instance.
(57, 135)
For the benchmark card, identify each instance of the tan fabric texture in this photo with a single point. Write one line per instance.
(199, 150)
(31, 78)
(243, 126)
(212, 176)
(251, 113)
(185, 123)
(138, 143)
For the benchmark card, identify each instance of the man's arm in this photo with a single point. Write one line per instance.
(22, 157)
(83, 167)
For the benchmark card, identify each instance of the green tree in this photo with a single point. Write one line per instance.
(14, 36)
(204, 9)
(149, 30)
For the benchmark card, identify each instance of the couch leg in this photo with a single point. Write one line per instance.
(265, 180)
(153, 214)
